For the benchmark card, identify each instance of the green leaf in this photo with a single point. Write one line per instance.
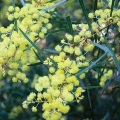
(23, 2)
(15, 20)
(11, 32)
(117, 4)
(106, 2)
(108, 44)
(73, 22)
(13, 3)
(34, 64)
(112, 6)
(69, 25)
(37, 48)
(28, 48)
(38, 63)
(89, 98)
(88, 93)
(85, 12)
(103, 63)
(55, 5)
(109, 67)
(95, 5)
(15, 24)
(91, 66)
(55, 31)
(41, 60)
(91, 87)
(33, 44)
(95, 19)
(102, 47)
(51, 51)
(113, 55)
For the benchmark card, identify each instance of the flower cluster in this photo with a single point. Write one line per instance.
(17, 52)
(107, 74)
(61, 86)
(42, 4)
(32, 21)
(55, 91)
(102, 20)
